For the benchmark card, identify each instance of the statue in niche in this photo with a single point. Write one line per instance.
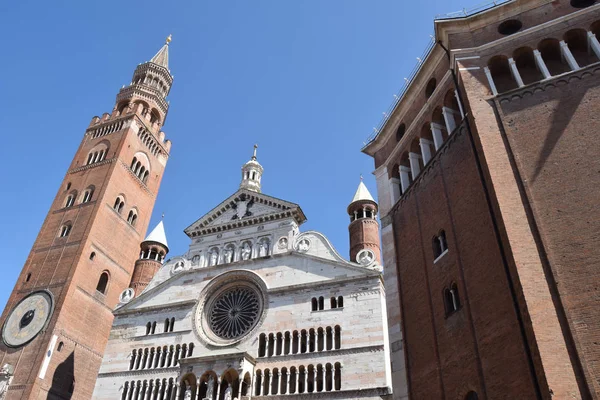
(246, 251)
(6, 376)
(263, 248)
(188, 394)
(228, 255)
(303, 245)
(211, 387)
(214, 255)
(227, 393)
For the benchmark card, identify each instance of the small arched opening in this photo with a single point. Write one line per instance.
(525, 62)
(551, 54)
(577, 41)
(500, 71)
(102, 285)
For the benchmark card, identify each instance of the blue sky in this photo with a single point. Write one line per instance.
(306, 80)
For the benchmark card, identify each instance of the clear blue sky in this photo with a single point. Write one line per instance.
(306, 80)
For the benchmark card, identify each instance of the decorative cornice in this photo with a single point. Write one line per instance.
(548, 84)
(156, 335)
(264, 362)
(144, 92)
(161, 308)
(94, 165)
(337, 394)
(141, 372)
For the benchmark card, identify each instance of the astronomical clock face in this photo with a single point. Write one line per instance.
(27, 319)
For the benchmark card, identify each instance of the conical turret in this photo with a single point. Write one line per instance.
(365, 246)
(153, 252)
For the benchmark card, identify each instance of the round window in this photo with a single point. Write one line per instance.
(231, 308)
(234, 313)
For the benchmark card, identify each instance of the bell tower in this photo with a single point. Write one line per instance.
(58, 318)
(364, 229)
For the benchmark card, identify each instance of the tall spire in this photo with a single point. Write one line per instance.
(162, 57)
(158, 235)
(252, 173)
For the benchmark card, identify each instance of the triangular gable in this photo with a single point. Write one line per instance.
(244, 208)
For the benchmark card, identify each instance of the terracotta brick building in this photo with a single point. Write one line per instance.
(58, 317)
(488, 178)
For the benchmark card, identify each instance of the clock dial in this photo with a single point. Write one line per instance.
(27, 319)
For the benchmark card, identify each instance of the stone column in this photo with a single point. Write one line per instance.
(515, 72)
(415, 166)
(126, 389)
(306, 380)
(175, 393)
(297, 379)
(394, 190)
(314, 379)
(594, 44)
(266, 345)
(448, 114)
(287, 382)
(333, 375)
(438, 138)
(218, 388)
(425, 149)
(404, 178)
(490, 79)
(566, 52)
(316, 340)
(261, 388)
(462, 112)
(539, 61)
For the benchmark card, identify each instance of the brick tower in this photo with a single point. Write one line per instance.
(153, 251)
(363, 228)
(58, 317)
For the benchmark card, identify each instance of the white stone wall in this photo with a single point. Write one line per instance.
(292, 280)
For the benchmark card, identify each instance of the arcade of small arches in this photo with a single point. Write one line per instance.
(318, 304)
(159, 357)
(148, 140)
(86, 197)
(153, 253)
(210, 386)
(140, 168)
(367, 211)
(421, 150)
(303, 379)
(300, 342)
(232, 252)
(107, 129)
(154, 389)
(142, 109)
(551, 57)
(152, 81)
(97, 154)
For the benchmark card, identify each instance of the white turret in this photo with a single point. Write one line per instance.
(251, 174)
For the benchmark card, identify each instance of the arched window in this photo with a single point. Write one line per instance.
(65, 230)
(172, 325)
(287, 343)
(60, 346)
(71, 199)
(430, 88)
(28, 277)
(333, 302)
(87, 195)
(295, 342)
(439, 244)
(315, 304)
(140, 166)
(338, 376)
(337, 340)
(102, 283)
(153, 328)
(166, 329)
(258, 383)
(303, 341)
(271, 345)
(340, 302)
(262, 342)
(132, 217)
(400, 132)
(119, 204)
(92, 255)
(98, 153)
(311, 340)
(329, 338)
(471, 396)
(148, 327)
(451, 299)
(321, 303)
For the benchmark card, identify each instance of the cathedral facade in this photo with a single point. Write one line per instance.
(254, 309)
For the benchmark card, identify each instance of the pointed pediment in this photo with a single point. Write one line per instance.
(244, 208)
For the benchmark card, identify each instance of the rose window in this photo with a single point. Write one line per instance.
(234, 312)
